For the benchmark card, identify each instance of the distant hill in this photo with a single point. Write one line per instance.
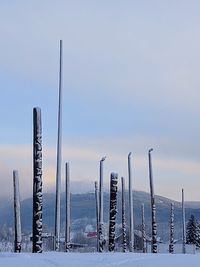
(83, 211)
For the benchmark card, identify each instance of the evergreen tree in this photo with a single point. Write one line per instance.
(193, 232)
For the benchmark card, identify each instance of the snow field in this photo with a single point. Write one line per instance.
(53, 259)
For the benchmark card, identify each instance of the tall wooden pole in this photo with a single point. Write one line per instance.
(131, 224)
(153, 207)
(101, 235)
(59, 159)
(67, 208)
(144, 250)
(123, 215)
(97, 211)
(183, 222)
(17, 216)
(113, 210)
(37, 181)
(171, 239)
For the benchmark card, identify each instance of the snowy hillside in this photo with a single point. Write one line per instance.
(98, 260)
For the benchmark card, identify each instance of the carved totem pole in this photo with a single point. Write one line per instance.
(171, 239)
(37, 181)
(153, 207)
(113, 210)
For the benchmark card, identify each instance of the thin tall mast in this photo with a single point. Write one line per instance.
(59, 158)
(130, 204)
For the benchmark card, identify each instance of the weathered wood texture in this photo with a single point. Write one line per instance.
(123, 215)
(37, 181)
(171, 238)
(153, 207)
(101, 232)
(17, 215)
(113, 210)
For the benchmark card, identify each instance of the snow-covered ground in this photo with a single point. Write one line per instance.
(97, 260)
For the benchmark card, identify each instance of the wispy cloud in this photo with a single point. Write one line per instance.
(170, 173)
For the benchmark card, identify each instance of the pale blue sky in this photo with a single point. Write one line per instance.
(131, 82)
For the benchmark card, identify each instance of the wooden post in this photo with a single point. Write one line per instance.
(183, 222)
(113, 210)
(17, 216)
(171, 239)
(131, 223)
(37, 181)
(59, 159)
(123, 215)
(144, 250)
(101, 235)
(153, 207)
(67, 208)
(97, 211)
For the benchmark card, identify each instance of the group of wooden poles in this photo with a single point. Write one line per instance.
(37, 204)
(37, 196)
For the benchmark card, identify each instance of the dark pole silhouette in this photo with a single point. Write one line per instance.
(171, 239)
(37, 181)
(113, 210)
(153, 207)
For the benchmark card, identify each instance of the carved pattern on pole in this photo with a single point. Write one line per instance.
(153, 207)
(123, 215)
(17, 216)
(67, 190)
(101, 234)
(113, 210)
(37, 181)
(171, 240)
